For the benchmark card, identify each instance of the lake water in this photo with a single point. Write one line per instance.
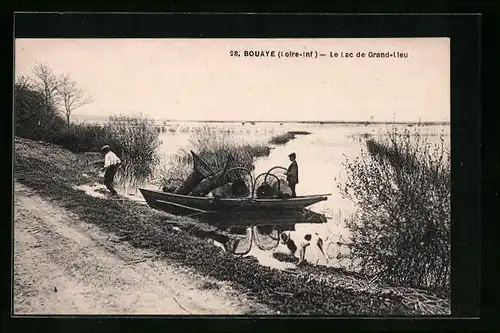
(319, 155)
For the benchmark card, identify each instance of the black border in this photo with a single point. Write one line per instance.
(465, 45)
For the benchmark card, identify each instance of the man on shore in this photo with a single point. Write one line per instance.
(111, 164)
(292, 175)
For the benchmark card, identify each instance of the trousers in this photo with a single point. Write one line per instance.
(109, 176)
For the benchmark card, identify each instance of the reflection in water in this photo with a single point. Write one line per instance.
(265, 238)
(238, 244)
(258, 242)
(319, 156)
(262, 242)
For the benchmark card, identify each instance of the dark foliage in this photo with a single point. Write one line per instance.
(33, 118)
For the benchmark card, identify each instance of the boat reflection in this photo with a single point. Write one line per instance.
(242, 232)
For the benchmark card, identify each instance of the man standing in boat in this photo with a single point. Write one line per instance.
(292, 175)
(111, 164)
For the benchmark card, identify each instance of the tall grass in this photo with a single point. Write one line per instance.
(136, 142)
(401, 187)
(213, 145)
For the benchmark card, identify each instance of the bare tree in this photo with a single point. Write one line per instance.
(23, 82)
(72, 97)
(47, 83)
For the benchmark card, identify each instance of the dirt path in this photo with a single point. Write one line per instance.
(65, 266)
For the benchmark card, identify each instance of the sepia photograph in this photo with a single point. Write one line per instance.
(232, 176)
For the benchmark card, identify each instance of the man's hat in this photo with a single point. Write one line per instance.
(292, 155)
(105, 147)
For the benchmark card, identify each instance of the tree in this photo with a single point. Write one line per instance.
(33, 118)
(72, 97)
(46, 83)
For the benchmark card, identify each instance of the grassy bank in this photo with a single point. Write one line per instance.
(53, 172)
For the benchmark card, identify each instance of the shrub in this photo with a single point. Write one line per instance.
(83, 138)
(401, 233)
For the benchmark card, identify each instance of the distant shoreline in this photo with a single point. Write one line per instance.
(312, 122)
(252, 122)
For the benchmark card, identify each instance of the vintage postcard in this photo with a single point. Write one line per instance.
(232, 176)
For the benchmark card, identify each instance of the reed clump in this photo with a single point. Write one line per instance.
(281, 139)
(213, 145)
(401, 233)
(136, 142)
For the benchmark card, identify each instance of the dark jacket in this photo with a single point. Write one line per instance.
(292, 175)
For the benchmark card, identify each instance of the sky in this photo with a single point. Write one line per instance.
(198, 79)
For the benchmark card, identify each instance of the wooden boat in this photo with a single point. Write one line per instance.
(248, 211)
(157, 199)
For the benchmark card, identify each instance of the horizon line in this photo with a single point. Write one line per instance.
(287, 121)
